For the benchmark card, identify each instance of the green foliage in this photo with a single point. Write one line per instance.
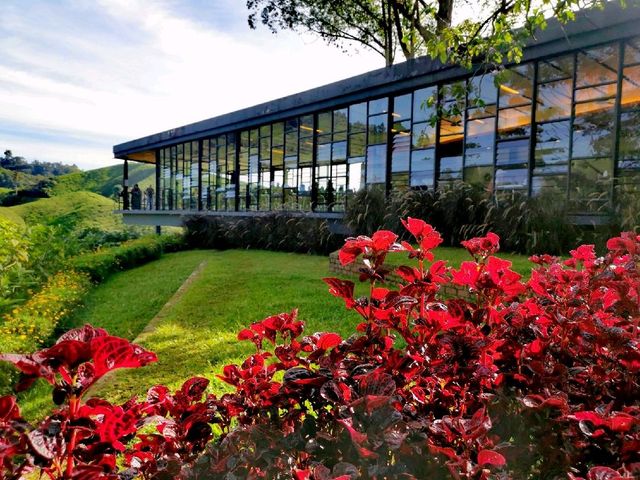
(103, 181)
(98, 265)
(14, 260)
(30, 325)
(497, 32)
(273, 231)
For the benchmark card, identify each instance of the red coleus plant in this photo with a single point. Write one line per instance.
(536, 379)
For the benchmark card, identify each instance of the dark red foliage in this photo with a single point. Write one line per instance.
(536, 379)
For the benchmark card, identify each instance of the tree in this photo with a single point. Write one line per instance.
(454, 31)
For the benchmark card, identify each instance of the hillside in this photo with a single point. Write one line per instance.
(103, 180)
(74, 210)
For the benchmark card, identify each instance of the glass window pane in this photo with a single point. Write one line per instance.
(358, 117)
(631, 86)
(424, 135)
(590, 184)
(514, 122)
(277, 133)
(632, 51)
(479, 175)
(306, 125)
(555, 69)
(450, 168)
(513, 179)
(356, 175)
(515, 152)
(339, 151)
(378, 129)
(483, 88)
(357, 145)
(424, 104)
(324, 123)
(340, 120)
(402, 107)
(516, 85)
(552, 143)
(629, 135)
(593, 129)
(554, 100)
(479, 141)
(376, 164)
(549, 185)
(597, 66)
(381, 105)
(422, 168)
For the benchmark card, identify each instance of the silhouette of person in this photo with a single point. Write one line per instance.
(149, 194)
(136, 197)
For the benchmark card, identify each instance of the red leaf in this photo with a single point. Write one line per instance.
(490, 457)
(328, 340)
(110, 353)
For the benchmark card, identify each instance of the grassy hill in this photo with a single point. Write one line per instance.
(103, 180)
(74, 210)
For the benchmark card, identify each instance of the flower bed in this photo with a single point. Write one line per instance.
(526, 380)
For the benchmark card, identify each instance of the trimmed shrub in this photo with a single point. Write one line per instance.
(274, 231)
(101, 263)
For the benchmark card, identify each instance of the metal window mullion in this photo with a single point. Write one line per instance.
(200, 143)
(389, 153)
(617, 115)
(314, 163)
(571, 124)
(236, 173)
(533, 135)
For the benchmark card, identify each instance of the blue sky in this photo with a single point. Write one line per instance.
(78, 76)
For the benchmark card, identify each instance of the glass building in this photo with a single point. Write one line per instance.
(564, 122)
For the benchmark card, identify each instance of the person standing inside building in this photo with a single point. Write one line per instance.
(136, 197)
(149, 193)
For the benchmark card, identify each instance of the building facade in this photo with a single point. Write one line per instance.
(564, 122)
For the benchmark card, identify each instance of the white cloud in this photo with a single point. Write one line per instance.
(115, 70)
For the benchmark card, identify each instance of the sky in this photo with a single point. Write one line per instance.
(79, 76)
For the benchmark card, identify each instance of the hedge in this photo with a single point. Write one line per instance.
(100, 264)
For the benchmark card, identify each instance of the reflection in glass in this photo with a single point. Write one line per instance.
(629, 148)
(515, 152)
(424, 104)
(377, 129)
(593, 129)
(424, 135)
(516, 85)
(514, 122)
(514, 179)
(358, 117)
(402, 107)
(590, 184)
(479, 139)
(552, 143)
(554, 100)
(631, 86)
(376, 164)
(422, 168)
(597, 66)
(482, 88)
(380, 105)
